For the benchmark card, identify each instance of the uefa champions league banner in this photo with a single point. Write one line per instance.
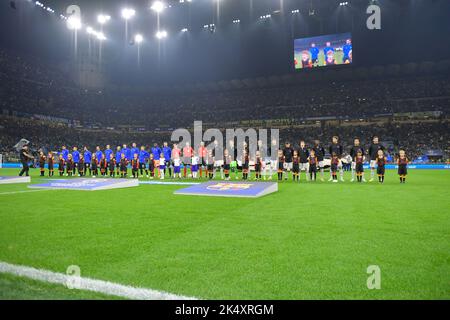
(87, 184)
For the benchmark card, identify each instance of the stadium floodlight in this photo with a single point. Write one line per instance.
(295, 11)
(158, 6)
(73, 23)
(161, 34)
(138, 38)
(343, 4)
(236, 21)
(89, 30)
(100, 36)
(103, 18)
(128, 13)
(184, 30)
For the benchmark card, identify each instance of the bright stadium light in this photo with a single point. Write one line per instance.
(236, 21)
(102, 18)
(158, 6)
(184, 30)
(73, 23)
(138, 38)
(101, 36)
(161, 34)
(128, 13)
(89, 30)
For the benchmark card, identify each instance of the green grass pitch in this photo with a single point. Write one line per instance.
(307, 241)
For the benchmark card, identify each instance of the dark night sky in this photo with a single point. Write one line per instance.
(415, 30)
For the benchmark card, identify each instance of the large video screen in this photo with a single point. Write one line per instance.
(323, 51)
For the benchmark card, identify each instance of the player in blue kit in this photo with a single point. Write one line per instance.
(87, 160)
(314, 51)
(108, 152)
(65, 153)
(143, 158)
(98, 153)
(134, 150)
(127, 152)
(118, 157)
(167, 151)
(347, 49)
(76, 159)
(156, 151)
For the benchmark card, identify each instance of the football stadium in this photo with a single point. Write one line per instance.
(224, 150)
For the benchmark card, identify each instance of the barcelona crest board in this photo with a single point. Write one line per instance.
(246, 189)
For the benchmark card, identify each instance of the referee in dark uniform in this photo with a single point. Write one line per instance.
(25, 158)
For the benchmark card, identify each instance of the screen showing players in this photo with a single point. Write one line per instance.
(322, 51)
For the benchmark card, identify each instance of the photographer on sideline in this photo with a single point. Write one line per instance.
(25, 158)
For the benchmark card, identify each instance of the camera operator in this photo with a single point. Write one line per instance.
(25, 158)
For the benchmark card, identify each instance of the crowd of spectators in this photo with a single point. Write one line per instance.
(30, 86)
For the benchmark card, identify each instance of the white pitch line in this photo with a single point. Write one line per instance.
(88, 284)
(25, 191)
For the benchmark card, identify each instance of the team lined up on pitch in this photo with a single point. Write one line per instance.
(170, 162)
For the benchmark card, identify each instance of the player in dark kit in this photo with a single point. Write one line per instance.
(94, 166)
(151, 166)
(258, 166)
(320, 154)
(245, 165)
(81, 166)
(353, 152)
(103, 165)
(295, 166)
(373, 152)
(210, 164)
(70, 166)
(303, 154)
(336, 148)
(42, 160)
(281, 164)
(61, 165)
(381, 163)
(402, 166)
(359, 165)
(50, 164)
(123, 166)
(312, 165)
(288, 152)
(226, 164)
(112, 166)
(334, 167)
(135, 166)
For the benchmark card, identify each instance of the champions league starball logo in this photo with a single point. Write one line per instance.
(229, 186)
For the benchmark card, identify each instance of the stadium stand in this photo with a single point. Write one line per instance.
(407, 109)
